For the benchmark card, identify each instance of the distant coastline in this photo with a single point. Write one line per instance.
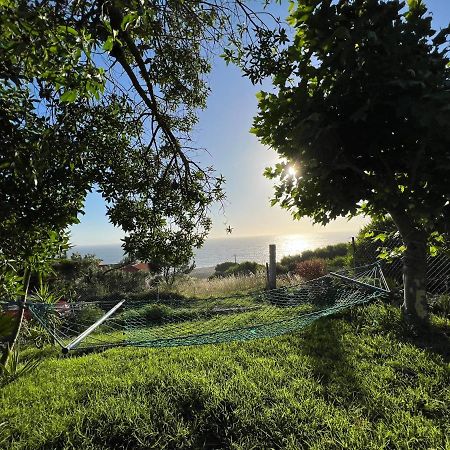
(241, 249)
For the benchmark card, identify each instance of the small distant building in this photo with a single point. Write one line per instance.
(139, 267)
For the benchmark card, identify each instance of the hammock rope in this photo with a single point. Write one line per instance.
(195, 321)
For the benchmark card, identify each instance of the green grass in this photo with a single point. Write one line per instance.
(356, 381)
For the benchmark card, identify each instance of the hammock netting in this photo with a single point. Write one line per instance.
(192, 321)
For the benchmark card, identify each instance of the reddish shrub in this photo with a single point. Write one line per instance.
(310, 269)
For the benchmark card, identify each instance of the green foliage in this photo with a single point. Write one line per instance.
(76, 267)
(36, 174)
(11, 281)
(245, 268)
(156, 314)
(383, 232)
(3, 431)
(98, 284)
(228, 269)
(339, 262)
(223, 267)
(331, 253)
(81, 278)
(33, 331)
(133, 147)
(353, 382)
(441, 306)
(360, 111)
(360, 108)
(6, 326)
(13, 369)
(82, 318)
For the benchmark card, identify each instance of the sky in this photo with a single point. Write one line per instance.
(223, 130)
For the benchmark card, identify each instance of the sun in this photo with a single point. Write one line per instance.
(292, 171)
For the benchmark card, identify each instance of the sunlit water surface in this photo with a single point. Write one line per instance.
(240, 249)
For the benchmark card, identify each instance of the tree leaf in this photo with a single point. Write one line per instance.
(68, 96)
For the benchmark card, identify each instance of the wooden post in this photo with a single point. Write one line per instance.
(272, 266)
(354, 251)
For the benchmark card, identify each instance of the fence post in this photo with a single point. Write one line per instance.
(272, 266)
(354, 251)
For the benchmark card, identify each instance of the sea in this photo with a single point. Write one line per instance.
(239, 249)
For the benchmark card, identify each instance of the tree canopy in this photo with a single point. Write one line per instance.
(361, 112)
(103, 95)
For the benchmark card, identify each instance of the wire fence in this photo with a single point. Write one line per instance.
(438, 267)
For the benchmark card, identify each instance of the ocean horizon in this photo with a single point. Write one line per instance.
(239, 249)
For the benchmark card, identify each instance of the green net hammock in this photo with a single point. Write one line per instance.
(193, 321)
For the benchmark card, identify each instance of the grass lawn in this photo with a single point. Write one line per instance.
(355, 381)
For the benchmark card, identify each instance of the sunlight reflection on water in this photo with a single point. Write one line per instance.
(241, 249)
(257, 248)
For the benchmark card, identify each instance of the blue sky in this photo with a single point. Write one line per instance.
(223, 130)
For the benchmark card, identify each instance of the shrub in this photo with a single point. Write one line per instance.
(441, 305)
(157, 313)
(223, 267)
(338, 262)
(244, 269)
(228, 269)
(288, 263)
(282, 269)
(310, 269)
(152, 296)
(82, 318)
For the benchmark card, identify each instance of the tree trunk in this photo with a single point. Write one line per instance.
(414, 308)
(16, 331)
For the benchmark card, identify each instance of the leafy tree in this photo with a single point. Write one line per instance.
(69, 68)
(361, 112)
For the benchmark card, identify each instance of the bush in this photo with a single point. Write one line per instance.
(338, 262)
(82, 318)
(228, 269)
(288, 263)
(282, 269)
(311, 269)
(441, 305)
(244, 269)
(223, 267)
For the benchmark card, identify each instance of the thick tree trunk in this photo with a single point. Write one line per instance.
(18, 325)
(414, 308)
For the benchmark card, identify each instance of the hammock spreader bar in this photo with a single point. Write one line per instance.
(76, 342)
(360, 283)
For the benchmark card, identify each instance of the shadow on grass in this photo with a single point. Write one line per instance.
(434, 339)
(386, 318)
(330, 361)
